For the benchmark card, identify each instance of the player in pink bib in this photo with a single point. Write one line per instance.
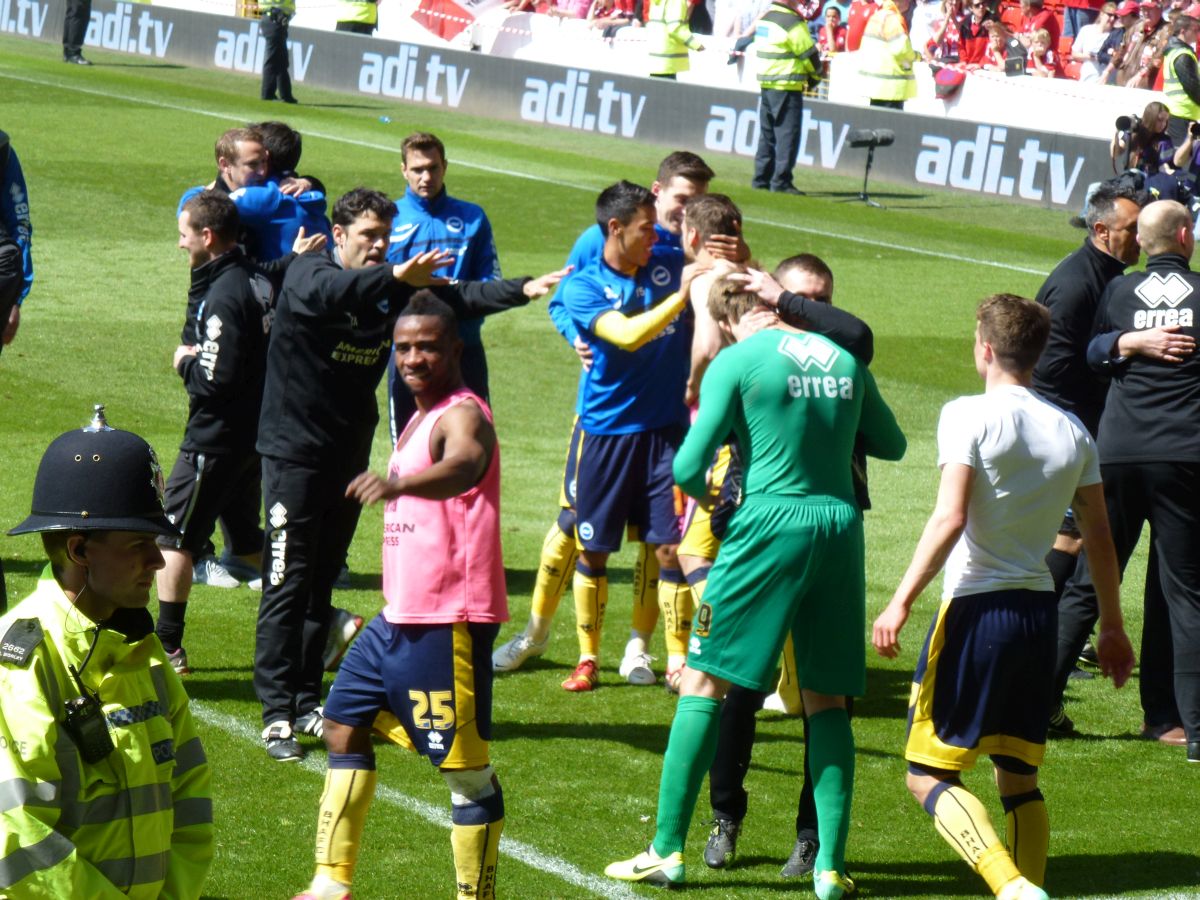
(421, 672)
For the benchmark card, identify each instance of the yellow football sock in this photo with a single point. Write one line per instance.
(476, 848)
(645, 591)
(591, 599)
(343, 813)
(555, 566)
(1028, 833)
(964, 823)
(675, 601)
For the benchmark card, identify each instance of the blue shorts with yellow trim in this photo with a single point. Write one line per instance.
(984, 680)
(424, 687)
(625, 479)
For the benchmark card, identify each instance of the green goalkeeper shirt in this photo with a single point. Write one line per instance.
(795, 401)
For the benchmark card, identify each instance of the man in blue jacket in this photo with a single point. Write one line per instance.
(429, 218)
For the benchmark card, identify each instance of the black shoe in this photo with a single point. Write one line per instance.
(1194, 751)
(281, 743)
(800, 863)
(789, 189)
(289, 100)
(1089, 657)
(1078, 674)
(77, 60)
(1061, 724)
(722, 843)
(760, 187)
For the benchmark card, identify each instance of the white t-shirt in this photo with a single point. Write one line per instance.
(1029, 458)
(1089, 40)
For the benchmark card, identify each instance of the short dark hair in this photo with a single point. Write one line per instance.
(426, 303)
(684, 164)
(215, 211)
(1016, 328)
(1102, 204)
(283, 145)
(621, 201)
(805, 262)
(361, 201)
(712, 214)
(226, 146)
(424, 142)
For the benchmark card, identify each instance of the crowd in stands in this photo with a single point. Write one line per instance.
(1121, 43)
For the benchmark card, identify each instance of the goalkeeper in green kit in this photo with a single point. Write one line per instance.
(792, 562)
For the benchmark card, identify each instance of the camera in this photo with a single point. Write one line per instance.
(1124, 123)
(1194, 129)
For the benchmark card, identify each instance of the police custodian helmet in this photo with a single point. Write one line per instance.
(98, 479)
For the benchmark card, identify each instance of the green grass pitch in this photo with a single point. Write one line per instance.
(107, 152)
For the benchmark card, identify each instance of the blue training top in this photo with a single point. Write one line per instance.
(629, 391)
(447, 223)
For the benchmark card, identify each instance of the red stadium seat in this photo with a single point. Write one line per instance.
(1064, 47)
(1071, 68)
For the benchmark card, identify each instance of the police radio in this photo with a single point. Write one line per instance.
(85, 721)
(88, 726)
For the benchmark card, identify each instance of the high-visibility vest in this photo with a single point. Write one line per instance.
(287, 7)
(136, 821)
(784, 49)
(668, 37)
(364, 11)
(887, 56)
(1175, 97)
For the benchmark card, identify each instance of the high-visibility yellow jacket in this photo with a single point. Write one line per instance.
(137, 823)
(887, 56)
(287, 7)
(784, 50)
(668, 36)
(365, 11)
(1174, 95)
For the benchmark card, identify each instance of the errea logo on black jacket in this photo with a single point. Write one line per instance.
(1163, 296)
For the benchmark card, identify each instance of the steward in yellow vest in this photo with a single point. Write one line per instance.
(887, 56)
(787, 62)
(669, 38)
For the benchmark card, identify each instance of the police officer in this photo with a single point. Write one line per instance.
(358, 16)
(91, 713)
(787, 61)
(274, 25)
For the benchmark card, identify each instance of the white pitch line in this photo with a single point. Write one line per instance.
(435, 815)
(386, 148)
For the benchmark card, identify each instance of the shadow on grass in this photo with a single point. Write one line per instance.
(651, 738)
(1076, 875)
(137, 65)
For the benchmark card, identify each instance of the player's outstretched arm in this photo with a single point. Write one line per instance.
(1112, 644)
(418, 270)
(941, 533)
(462, 444)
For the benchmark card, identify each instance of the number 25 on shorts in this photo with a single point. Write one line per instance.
(433, 710)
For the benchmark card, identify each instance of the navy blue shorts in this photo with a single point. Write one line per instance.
(984, 680)
(425, 687)
(626, 479)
